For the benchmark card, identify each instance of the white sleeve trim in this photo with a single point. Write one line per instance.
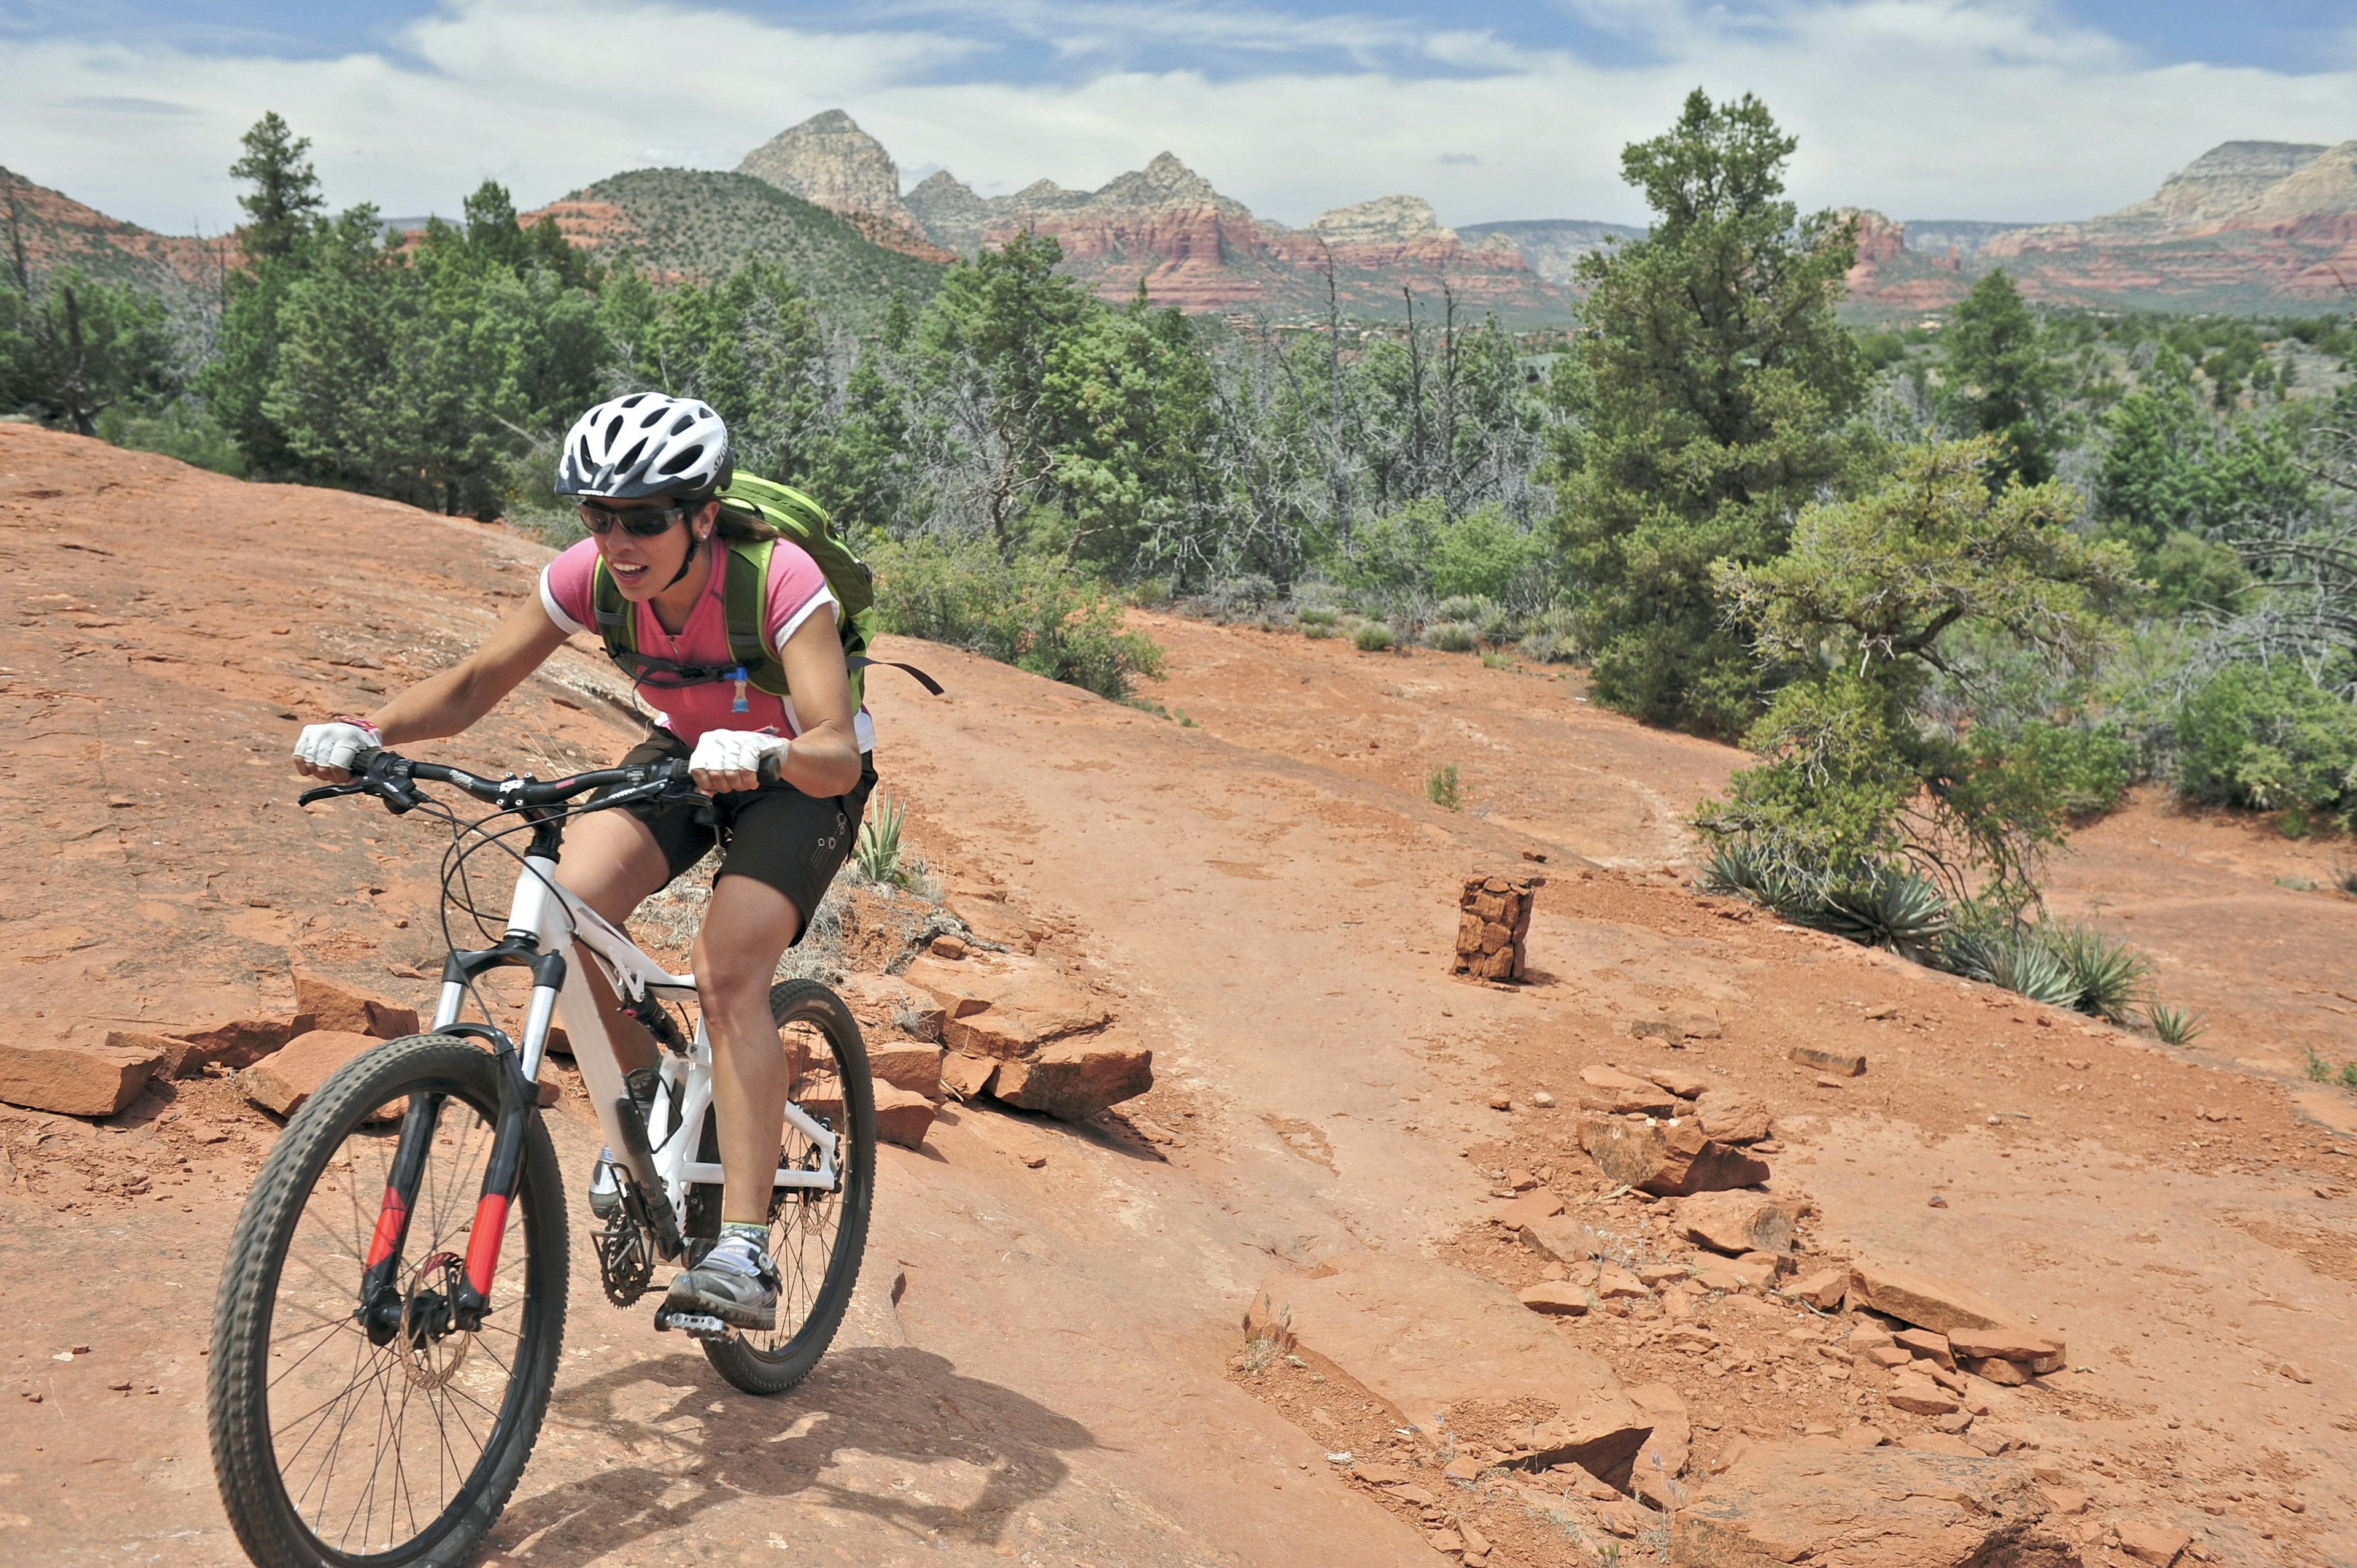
(794, 624)
(555, 612)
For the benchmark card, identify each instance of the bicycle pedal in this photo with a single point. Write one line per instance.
(702, 1325)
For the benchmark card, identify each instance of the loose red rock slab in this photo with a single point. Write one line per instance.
(1925, 1343)
(906, 1064)
(1072, 1079)
(1683, 1082)
(1618, 1285)
(1423, 1337)
(1842, 1064)
(2151, 1542)
(291, 1075)
(1556, 1298)
(1997, 1369)
(1737, 1222)
(330, 1004)
(902, 1115)
(1610, 1090)
(1732, 1115)
(1878, 1508)
(2010, 1342)
(1722, 1277)
(1928, 1301)
(80, 1080)
(1004, 1005)
(1920, 1395)
(239, 1043)
(1670, 1158)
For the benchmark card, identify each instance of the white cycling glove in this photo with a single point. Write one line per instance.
(727, 761)
(337, 742)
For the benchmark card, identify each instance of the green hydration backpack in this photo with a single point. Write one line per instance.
(746, 591)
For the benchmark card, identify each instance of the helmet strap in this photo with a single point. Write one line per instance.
(693, 539)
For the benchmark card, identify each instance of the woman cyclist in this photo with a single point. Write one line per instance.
(646, 470)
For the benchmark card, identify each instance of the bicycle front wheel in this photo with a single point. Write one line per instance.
(345, 1436)
(817, 1238)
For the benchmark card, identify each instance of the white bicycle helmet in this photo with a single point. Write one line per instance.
(644, 445)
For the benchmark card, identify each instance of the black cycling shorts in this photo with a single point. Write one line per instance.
(776, 834)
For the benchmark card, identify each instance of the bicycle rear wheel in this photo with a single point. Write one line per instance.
(817, 1238)
(330, 1448)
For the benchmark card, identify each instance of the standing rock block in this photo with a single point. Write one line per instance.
(1074, 1080)
(902, 1115)
(330, 1004)
(79, 1080)
(1732, 1116)
(1663, 1459)
(1871, 1507)
(282, 1081)
(1737, 1222)
(1823, 1290)
(1669, 1159)
(967, 1077)
(1493, 918)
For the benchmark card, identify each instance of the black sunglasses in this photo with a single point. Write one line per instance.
(638, 522)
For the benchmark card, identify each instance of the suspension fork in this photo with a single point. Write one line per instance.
(380, 1282)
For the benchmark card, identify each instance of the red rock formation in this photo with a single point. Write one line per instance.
(60, 232)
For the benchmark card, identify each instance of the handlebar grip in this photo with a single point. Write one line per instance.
(772, 769)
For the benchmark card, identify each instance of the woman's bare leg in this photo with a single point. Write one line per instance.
(744, 932)
(612, 863)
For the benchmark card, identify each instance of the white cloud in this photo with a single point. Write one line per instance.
(1922, 108)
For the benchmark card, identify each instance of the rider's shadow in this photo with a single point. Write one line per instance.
(895, 1433)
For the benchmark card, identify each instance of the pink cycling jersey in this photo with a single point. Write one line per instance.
(797, 591)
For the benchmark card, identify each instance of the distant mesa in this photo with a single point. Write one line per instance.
(61, 234)
(1552, 246)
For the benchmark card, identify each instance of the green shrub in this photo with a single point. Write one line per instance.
(1451, 636)
(2318, 1069)
(184, 429)
(1497, 661)
(1443, 788)
(2349, 1075)
(2267, 738)
(1373, 637)
(1319, 630)
(1038, 613)
(1325, 617)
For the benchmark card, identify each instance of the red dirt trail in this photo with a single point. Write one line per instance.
(1042, 1365)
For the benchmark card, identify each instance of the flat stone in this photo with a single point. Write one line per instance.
(2151, 1542)
(1072, 1079)
(1005, 1005)
(1425, 1338)
(2010, 1342)
(1842, 1064)
(282, 1080)
(1921, 1396)
(1409, 1492)
(1926, 1344)
(239, 1043)
(1720, 1277)
(1556, 1298)
(903, 1116)
(333, 1006)
(1610, 1089)
(1997, 1369)
(1867, 1508)
(1620, 1284)
(77, 1080)
(1683, 1082)
(1732, 1115)
(1737, 1222)
(1864, 1435)
(1926, 1301)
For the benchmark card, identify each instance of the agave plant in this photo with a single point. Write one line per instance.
(2174, 1025)
(876, 854)
(1887, 908)
(1743, 869)
(2109, 974)
(2014, 957)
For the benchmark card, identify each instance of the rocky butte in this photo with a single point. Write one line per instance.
(830, 161)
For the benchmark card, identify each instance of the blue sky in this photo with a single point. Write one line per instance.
(2025, 109)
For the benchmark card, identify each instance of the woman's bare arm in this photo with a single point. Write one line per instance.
(823, 761)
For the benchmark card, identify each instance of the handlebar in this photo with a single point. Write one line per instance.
(392, 779)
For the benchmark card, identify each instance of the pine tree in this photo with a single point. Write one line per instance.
(2001, 381)
(286, 196)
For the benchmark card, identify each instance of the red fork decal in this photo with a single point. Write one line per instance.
(483, 1242)
(391, 1221)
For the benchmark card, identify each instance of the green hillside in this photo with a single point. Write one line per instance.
(703, 224)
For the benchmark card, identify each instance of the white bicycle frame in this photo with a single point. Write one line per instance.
(556, 921)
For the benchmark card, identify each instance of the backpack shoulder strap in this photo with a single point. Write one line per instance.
(615, 622)
(746, 593)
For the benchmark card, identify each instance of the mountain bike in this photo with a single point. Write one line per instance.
(391, 1313)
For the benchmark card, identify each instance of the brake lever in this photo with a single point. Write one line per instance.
(331, 791)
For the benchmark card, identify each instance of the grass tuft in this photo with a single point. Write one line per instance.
(2318, 1069)
(1443, 790)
